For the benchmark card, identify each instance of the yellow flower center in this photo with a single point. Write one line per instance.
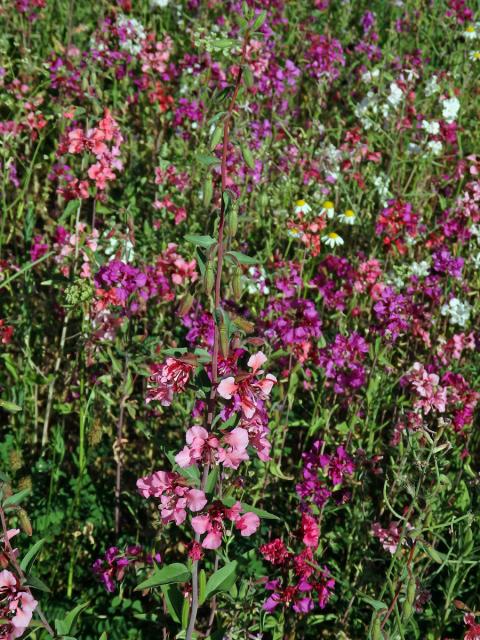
(349, 213)
(476, 55)
(300, 203)
(470, 29)
(328, 205)
(333, 235)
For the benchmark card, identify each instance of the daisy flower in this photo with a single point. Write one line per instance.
(474, 55)
(332, 239)
(470, 32)
(302, 207)
(348, 217)
(328, 209)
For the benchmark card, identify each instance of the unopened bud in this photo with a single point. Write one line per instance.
(209, 279)
(247, 156)
(237, 284)
(233, 221)
(248, 77)
(377, 630)
(224, 342)
(207, 191)
(411, 590)
(216, 136)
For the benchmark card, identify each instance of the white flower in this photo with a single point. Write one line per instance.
(420, 269)
(458, 311)
(381, 184)
(159, 3)
(396, 95)
(328, 209)
(474, 55)
(432, 86)
(348, 217)
(133, 33)
(450, 108)
(476, 261)
(470, 32)
(302, 207)
(126, 246)
(369, 76)
(431, 127)
(435, 147)
(332, 239)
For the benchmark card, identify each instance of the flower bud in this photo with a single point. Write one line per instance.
(207, 191)
(407, 610)
(248, 77)
(237, 284)
(377, 630)
(208, 279)
(247, 156)
(224, 342)
(232, 221)
(216, 136)
(411, 590)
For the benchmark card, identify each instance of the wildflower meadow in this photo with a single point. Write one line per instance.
(239, 319)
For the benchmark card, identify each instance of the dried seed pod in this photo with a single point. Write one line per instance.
(15, 459)
(25, 483)
(24, 521)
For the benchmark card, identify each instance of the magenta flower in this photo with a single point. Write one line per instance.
(168, 378)
(310, 531)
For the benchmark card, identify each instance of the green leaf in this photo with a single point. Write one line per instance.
(36, 583)
(241, 257)
(31, 555)
(173, 600)
(259, 20)
(376, 604)
(190, 473)
(171, 573)
(211, 480)
(16, 498)
(201, 241)
(261, 513)
(9, 406)
(221, 580)
(207, 160)
(65, 626)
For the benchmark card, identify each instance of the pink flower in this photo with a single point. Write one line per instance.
(310, 531)
(16, 606)
(213, 523)
(174, 494)
(248, 523)
(200, 445)
(246, 389)
(168, 378)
